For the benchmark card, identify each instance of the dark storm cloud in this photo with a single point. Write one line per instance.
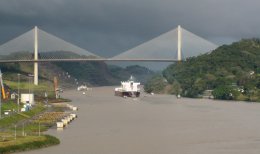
(107, 27)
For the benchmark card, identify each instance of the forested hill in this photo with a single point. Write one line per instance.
(101, 74)
(231, 71)
(70, 73)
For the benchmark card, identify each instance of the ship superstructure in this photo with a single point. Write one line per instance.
(129, 88)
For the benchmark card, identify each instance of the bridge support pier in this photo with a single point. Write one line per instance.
(36, 55)
(179, 43)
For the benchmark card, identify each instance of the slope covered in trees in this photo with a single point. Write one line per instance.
(70, 73)
(231, 71)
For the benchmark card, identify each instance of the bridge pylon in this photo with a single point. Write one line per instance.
(36, 55)
(179, 43)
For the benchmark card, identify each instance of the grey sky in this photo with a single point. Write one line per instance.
(108, 27)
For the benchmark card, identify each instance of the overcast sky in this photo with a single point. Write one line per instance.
(108, 27)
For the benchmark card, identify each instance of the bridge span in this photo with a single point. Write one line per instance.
(87, 60)
(37, 46)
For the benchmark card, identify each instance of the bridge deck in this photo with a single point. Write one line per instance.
(94, 60)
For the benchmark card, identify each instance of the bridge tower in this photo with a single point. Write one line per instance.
(36, 55)
(179, 43)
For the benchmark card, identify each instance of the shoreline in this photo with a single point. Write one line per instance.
(39, 143)
(25, 136)
(156, 124)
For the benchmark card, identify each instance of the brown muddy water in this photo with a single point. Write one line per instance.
(157, 124)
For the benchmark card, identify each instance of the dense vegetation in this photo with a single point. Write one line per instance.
(231, 71)
(156, 84)
(95, 73)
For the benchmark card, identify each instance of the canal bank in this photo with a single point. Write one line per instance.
(24, 131)
(157, 124)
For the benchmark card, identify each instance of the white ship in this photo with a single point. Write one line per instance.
(129, 88)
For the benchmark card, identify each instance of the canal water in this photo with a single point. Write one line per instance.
(156, 124)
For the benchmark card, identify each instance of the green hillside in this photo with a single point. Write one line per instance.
(68, 73)
(101, 74)
(142, 74)
(93, 73)
(231, 71)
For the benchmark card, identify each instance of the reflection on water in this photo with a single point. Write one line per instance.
(59, 129)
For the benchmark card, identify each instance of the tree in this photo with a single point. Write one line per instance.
(156, 84)
(223, 92)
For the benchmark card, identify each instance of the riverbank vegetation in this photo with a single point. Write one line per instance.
(231, 72)
(10, 144)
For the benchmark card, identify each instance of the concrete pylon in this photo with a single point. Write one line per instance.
(179, 43)
(36, 55)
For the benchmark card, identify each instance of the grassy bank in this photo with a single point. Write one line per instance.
(20, 131)
(26, 129)
(26, 143)
(26, 85)
(39, 90)
(15, 118)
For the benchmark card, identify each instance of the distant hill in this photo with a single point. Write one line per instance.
(231, 71)
(69, 73)
(142, 74)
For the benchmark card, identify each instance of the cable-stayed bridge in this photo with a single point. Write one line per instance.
(37, 46)
(177, 44)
